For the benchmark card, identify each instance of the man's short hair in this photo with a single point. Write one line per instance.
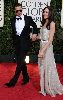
(18, 4)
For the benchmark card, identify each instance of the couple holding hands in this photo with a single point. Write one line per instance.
(49, 79)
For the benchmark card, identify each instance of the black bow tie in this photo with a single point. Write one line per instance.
(19, 18)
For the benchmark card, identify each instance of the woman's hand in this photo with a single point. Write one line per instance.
(41, 54)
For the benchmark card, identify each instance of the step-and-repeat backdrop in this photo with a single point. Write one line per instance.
(31, 8)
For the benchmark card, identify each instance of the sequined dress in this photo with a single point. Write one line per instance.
(49, 79)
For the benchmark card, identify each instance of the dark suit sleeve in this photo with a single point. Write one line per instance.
(33, 24)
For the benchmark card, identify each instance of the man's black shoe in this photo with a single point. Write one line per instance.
(10, 84)
(25, 81)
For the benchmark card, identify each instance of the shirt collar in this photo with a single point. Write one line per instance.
(20, 16)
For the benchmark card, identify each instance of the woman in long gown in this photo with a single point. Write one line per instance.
(49, 79)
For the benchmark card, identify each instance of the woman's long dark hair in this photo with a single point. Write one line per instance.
(50, 17)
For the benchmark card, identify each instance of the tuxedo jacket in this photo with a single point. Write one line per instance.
(23, 41)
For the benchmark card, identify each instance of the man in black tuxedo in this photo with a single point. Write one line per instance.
(22, 42)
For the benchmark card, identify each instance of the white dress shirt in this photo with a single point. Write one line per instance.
(19, 25)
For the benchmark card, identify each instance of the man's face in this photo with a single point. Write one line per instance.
(18, 11)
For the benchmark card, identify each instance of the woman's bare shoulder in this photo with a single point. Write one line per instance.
(52, 23)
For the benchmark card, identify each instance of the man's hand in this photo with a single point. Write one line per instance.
(34, 37)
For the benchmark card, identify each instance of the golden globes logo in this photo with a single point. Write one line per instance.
(34, 8)
(1, 13)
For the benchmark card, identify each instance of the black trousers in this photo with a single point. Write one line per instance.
(21, 65)
(22, 46)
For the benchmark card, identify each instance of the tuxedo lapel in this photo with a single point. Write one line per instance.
(26, 25)
(26, 20)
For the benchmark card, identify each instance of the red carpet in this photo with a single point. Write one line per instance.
(30, 90)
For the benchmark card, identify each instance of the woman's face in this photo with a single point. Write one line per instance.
(46, 13)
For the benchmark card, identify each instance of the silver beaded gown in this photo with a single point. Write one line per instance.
(49, 79)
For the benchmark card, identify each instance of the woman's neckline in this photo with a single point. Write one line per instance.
(45, 28)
